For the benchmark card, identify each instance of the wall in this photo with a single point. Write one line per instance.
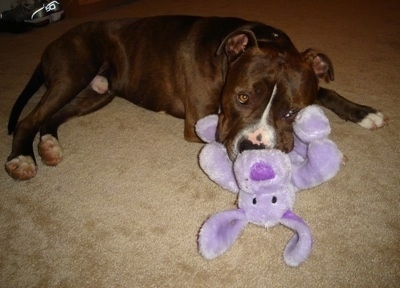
(5, 4)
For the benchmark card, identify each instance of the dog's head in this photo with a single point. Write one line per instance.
(267, 82)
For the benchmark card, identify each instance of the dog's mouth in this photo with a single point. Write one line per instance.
(242, 143)
(248, 145)
(232, 152)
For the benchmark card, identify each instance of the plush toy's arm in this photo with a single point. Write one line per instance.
(299, 246)
(315, 158)
(311, 124)
(220, 231)
(216, 164)
(322, 163)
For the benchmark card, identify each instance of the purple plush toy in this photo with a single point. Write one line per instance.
(266, 182)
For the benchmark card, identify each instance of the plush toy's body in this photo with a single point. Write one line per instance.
(266, 182)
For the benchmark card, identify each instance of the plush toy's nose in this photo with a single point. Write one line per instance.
(261, 171)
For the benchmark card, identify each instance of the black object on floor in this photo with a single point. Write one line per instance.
(15, 26)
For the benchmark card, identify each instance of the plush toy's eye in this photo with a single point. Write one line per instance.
(254, 201)
(243, 98)
(274, 200)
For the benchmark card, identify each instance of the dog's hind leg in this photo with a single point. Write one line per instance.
(84, 103)
(21, 163)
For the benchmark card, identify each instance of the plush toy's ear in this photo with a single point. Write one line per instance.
(220, 231)
(216, 164)
(207, 127)
(299, 247)
(321, 164)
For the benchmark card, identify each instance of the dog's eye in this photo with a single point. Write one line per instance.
(243, 98)
(291, 114)
(254, 201)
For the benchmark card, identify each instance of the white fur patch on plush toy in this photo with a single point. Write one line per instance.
(266, 182)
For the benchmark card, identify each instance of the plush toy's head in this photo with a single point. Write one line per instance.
(266, 190)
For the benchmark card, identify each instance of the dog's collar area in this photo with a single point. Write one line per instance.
(274, 36)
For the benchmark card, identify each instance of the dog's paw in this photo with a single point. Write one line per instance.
(99, 84)
(21, 168)
(374, 121)
(50, 150)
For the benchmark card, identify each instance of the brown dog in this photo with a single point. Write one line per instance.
(186, 66)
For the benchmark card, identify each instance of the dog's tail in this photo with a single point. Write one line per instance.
(30, 89)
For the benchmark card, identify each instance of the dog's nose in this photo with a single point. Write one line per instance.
(258, 139)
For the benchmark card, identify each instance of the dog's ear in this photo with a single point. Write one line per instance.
(321, 64)
(236, 43)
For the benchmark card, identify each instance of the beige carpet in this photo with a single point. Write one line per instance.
(124, 207)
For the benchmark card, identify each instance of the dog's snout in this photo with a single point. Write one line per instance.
(258, 139)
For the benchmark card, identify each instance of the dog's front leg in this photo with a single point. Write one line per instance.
(364, 116)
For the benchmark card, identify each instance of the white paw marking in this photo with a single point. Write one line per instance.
(99, 84)
(21, 168)
(373, 121)
(50, 150)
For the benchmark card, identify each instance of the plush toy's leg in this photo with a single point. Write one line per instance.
(299, 152)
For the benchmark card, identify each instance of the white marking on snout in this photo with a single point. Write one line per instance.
(259, 137)
(260, 133)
